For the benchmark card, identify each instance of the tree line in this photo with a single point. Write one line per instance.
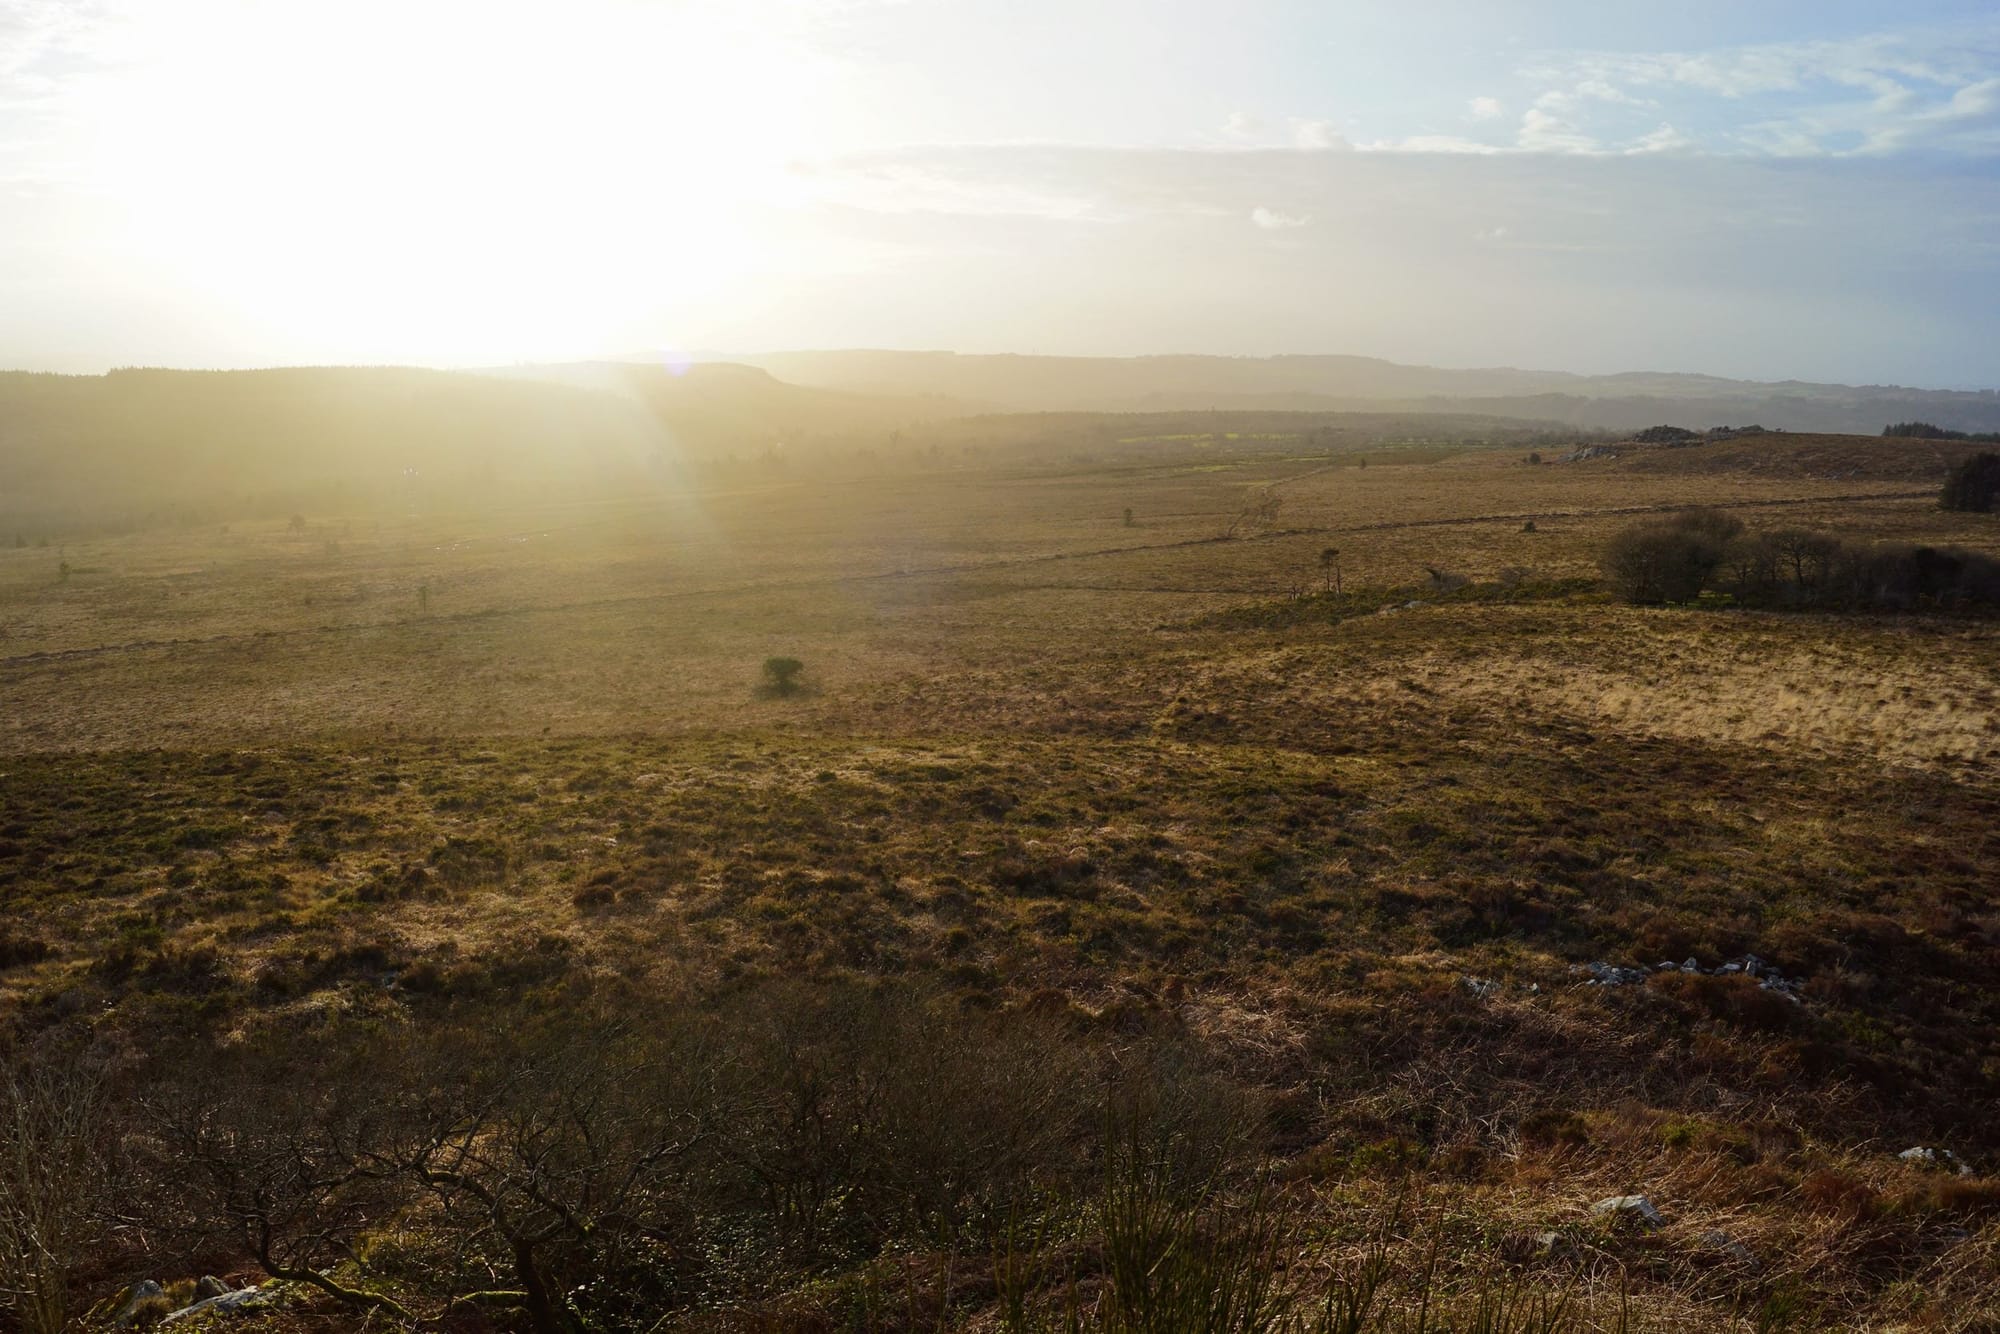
(1680, 558)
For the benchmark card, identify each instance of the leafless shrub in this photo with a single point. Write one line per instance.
(53, 1183)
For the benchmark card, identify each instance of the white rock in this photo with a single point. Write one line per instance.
(1629, 1209)
(243, 1299)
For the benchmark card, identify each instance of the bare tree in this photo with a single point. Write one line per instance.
(545, 1149)
(53, 1178)
(1329, 564)
(562, 1146)
(277, 1156)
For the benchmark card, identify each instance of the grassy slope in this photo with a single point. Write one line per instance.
(1033, 768)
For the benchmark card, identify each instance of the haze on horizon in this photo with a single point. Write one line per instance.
(1785, 190)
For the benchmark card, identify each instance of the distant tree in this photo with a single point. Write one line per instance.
(63, 573)
(781, 675)
(1528, 527)
(1920, 431)
(1712, 524)
(298, 523)
(1805, 557)
(1973, 486)
(1329, 564)
(1656, 562)
(1534, 457)
(1128, 516)
(1664, 435)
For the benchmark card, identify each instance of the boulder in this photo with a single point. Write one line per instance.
(1628, 1211)
(1715, 1239)
(142, 1297)
(243, 1299)
(209, 1286)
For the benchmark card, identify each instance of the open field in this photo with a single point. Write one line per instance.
(1129, 783)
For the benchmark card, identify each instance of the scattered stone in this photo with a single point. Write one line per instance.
(1483, 987)
(1717, 1240)
(1768, 978)
(209, 1286)
(1938, 1158)
(1610, 975)
(1628, 1211)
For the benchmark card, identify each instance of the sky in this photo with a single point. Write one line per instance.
(1765, 190)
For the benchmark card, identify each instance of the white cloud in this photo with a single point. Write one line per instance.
(1271, 220)
(1243, 125)
(1486, 108)
(1317, 136)
(1543, 131)
(1880, 93)
(1665, 139)
(1434, 143)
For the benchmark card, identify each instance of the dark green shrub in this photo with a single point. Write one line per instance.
(781, 676)
(1973, 486)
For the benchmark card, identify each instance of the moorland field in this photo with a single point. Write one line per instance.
(1105, 886)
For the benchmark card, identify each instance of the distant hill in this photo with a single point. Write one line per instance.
(1365, 384)
(144, 445)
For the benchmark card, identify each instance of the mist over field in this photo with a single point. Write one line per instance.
(894, 667)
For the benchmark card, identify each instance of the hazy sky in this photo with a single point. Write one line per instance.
(1806, 189)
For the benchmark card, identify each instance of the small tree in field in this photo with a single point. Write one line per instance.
(1329, 564)
(781, 675)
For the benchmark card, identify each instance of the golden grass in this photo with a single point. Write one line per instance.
(246, 775)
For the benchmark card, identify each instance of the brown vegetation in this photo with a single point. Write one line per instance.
(1123, 918)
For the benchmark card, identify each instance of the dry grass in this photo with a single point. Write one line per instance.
(247, 777)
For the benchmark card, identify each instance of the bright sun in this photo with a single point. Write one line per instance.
(484, 180)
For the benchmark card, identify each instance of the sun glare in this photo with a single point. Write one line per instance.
(455, 177)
